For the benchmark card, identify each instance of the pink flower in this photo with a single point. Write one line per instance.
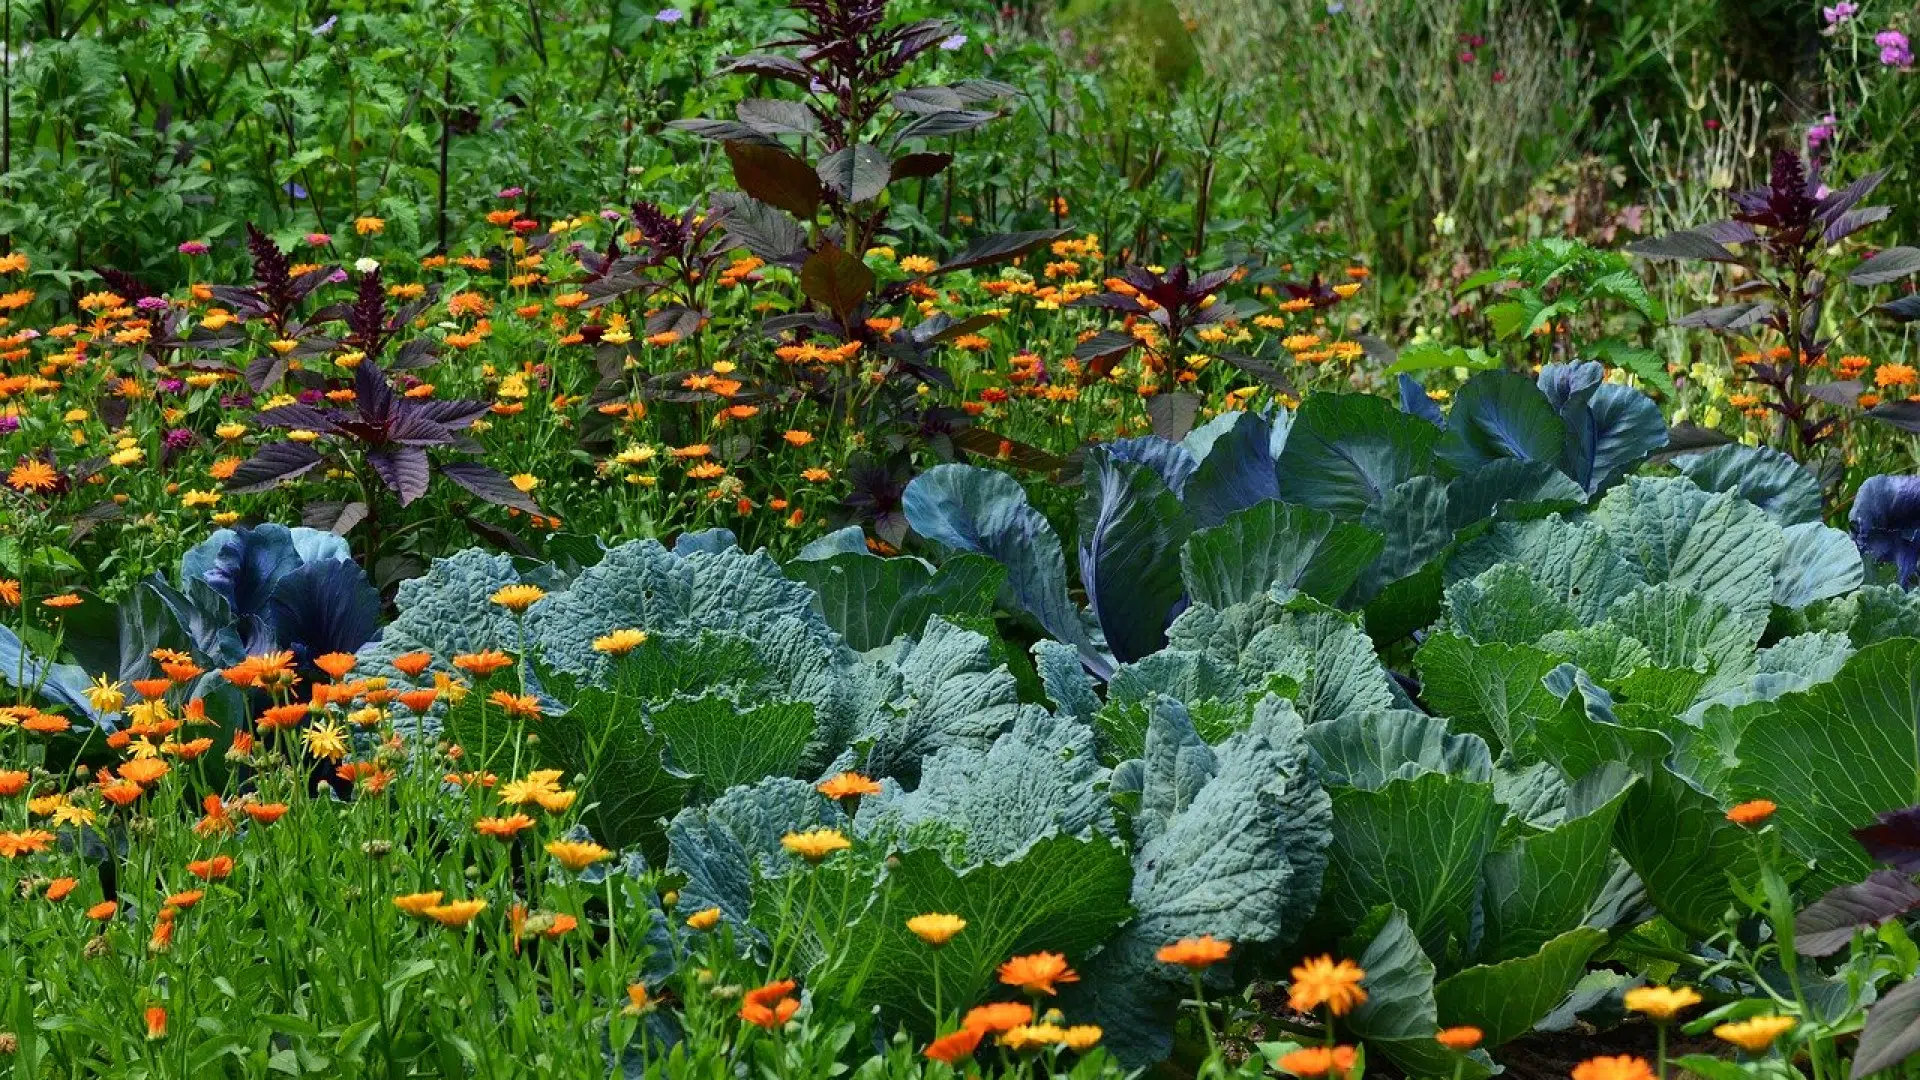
(1894, 49)
(192, 247)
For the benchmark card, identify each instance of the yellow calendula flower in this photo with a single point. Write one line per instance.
(815, 844)
(620, 642)
(577, 855)
(518, 598)
(935, 928)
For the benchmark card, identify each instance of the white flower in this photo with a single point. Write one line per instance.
(367, 266)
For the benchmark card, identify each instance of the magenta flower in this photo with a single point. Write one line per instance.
(193, 247)
(1840, 12)
(1895, 51)
(1821, 133)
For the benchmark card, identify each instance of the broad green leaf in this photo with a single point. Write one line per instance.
(1062, 894)
(1719, 546)
(1498, 415)
(1545, 884)
(726, 745)
(1273, 544)
(1493, 690)
(1346, 451)
(1835, 756)
(1369, 751)
(1506, 999)
(1506, 605)
(1400, 1017)
(870, 601)
(1131, 531)
(1763, 476)
(1417, 844)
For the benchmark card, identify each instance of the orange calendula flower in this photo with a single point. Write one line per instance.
(419, 701)
(59, 888)
(1621, 1067)
(1037, 973)
(847, 785)
(517, 598)
(1194, 954)
(457, 914)
(705, 919)
(283, 716)
(955, 1047)
(577, 855)
(31, 842)
(413, 663)
(1751, 813)
(416, 904)
(769, 1006)
(815, 844)
(482, 664)
(63, 601)
(516, 704)
(1321, 981)
(121, 792)
(336, 664)
(1755, 1034)
(998, 1016)
(265, 813)
(1662, 1003)
(156, 1022)
(13, 781)
(184, 900)
(503, 828)
(103, 910)
(152, 688)
(214, 869)
(1459, 1039)
(32, 476)
(1317, 1061)
(144, 771)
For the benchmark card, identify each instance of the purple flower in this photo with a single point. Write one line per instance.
(669, 15)
(312, 397)
(337, 277)
(611, 215)
(151, 303)
(1894, 49)
(242, 400)
(1821, 133)
(293, 190)
(1840, 12)
(172, 386)
(193, 247)
(954, 43)
(510, 193)
(325, 28)
(9, 425)
(179, 439)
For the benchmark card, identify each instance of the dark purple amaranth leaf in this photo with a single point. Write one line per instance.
(1685, 244)
(1894, 839)
(1001, 247)
(1892, 1034)
(404, 469)
(489, 485)
(760, 228)
(920, 166)
(855, 173)
(724, 131)
(1904, 415)
(1828, 924)
(1890, 265)
(271, 464)
(775, 176)
(333, 516)
(836, 280)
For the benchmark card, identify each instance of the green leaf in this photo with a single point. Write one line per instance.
(1717, 545)
(1835, 756)
(1493, 690)
(1062, 894)
(1400, 1017)
(1346, 451)
(1545, 884)
(727, 745)
(870, 600)
(1498, 415)
(1763, 476)
(1440, 357)
(1370, 751)
(1506, 605)
(1275, 545)
(1506, 999)
(1417, 844)
(1131, 532)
